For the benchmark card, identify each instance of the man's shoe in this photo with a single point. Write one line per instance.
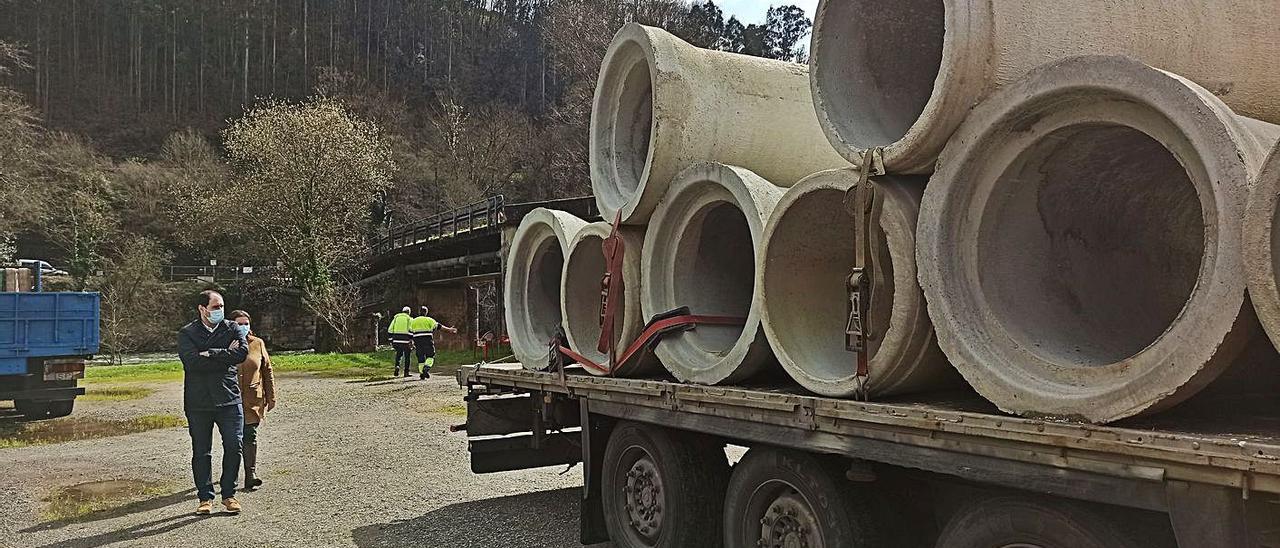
(424, 375)
(205, 508)
(396, 373)
(233, 506)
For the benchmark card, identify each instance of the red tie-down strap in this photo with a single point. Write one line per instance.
(655, 330)
(611, 287)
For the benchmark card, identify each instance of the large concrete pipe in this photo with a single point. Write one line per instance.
(808, 254)
(903, 75)
(701, 251)
(580, 306)
(1262, 246)
(1080, 243)
(535, 263)
(662, 104)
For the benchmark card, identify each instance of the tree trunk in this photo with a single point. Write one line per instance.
(200, 65)
(305, 64)
(275, 9)
(244, 81)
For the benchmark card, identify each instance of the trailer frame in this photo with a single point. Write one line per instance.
(1219, 490)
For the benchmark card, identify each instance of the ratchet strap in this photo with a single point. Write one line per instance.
(670, 322)
(864, 203)
(611, 286)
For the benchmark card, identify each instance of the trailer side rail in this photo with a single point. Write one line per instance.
(1153, 458)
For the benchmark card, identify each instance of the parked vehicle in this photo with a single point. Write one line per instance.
(45, 340)
(46, 269)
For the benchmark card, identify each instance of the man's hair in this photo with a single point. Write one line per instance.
(204, 297)
(425, 310)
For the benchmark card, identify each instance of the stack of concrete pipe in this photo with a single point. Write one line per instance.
(1082, 242)
(1076, 191)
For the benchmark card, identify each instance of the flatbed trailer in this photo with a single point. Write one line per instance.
(916, 472)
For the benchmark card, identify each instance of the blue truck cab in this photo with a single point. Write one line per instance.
(45, 340)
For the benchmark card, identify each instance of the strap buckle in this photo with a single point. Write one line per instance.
(854, 334)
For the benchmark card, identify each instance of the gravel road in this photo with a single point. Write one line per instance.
(345, 463)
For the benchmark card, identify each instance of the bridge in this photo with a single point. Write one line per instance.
(452, 262)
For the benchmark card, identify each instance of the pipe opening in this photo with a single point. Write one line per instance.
(542, 297)
(633, 126)
(582, 298)
(810, 256)
(875, 66)
(1091, 244)
(715, 273)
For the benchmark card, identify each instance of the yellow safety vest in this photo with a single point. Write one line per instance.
(422, 324)
(399, 324)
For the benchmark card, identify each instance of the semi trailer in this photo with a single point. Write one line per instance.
(947, 471)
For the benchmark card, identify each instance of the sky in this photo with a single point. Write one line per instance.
(752, 11)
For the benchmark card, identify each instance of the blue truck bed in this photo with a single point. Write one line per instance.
(36, 325)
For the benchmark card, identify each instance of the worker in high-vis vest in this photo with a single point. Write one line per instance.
(402, 339)
(424, 328)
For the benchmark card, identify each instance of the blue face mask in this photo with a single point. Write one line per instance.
(216, 315)
(243, 329)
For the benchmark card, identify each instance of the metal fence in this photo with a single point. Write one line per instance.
(483, 215)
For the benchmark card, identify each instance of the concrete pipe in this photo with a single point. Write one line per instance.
(580, 306)
(808, 254)
(1262, 246)
(903, 75)
(1080, 243)
(701, 251)
(662, 104)
(535, 263)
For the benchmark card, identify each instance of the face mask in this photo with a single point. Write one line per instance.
(243, 329)
(216, 315)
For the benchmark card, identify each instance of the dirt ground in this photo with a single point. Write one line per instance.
(345, 463)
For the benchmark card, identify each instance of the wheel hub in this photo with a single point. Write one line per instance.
(789, 522)
(644, 502)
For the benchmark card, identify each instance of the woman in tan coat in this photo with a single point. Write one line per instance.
(258, 393)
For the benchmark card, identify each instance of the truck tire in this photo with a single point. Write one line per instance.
(61, 408)
(779, 498)
(32, 410)
(662, 488)
(1032, 523)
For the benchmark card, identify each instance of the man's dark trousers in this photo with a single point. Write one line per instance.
(230, 421)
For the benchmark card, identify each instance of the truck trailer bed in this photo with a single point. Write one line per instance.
(1148, 463)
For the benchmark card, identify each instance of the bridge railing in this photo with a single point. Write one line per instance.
(226, 274)
(484, 214)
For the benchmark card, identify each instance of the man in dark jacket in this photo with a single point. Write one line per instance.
(211, 348)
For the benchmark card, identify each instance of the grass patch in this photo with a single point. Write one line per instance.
(116, 393)
(77, 501)
(455, 409)
(338, 366)
(23, 434)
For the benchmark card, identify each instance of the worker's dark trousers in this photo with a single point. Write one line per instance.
(403, 349)
(426, 347)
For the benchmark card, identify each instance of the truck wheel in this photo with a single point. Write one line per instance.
(61, 408)
(1027, 522)
(32, 410)
(784, 499)
(662, 488)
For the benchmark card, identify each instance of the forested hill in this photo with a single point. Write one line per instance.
(477, 96)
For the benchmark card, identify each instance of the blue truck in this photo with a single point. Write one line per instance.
(45, 340)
